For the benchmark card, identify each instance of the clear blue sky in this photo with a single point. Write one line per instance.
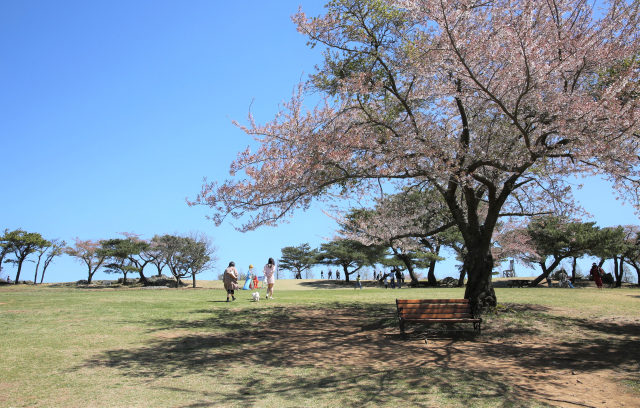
(113, 112)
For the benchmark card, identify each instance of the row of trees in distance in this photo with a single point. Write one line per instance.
(544, 242)
(184, 255)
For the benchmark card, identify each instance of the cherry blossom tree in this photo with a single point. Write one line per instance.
(492, 104)
(412, 223)
(86, 251)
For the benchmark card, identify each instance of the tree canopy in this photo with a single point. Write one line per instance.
(297, 259)
(22, 244)
(349, 254)
(491, 104)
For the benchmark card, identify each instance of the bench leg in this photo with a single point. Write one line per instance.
(402, 328)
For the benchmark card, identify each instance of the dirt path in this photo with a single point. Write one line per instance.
(558, 362)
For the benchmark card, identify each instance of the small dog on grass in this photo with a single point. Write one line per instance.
(256, 296)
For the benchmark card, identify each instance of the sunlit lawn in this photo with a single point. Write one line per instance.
(68, 346)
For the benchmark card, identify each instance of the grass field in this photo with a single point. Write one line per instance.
(315, 344)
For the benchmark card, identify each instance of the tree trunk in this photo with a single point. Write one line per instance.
(47, 261)
(431, 275)
(637, 268)
(346, 273)
(479, 265)
(463, 273)
(573, 271)
(19, 269)
(193, 275)
(35, 277)
(407, 262)
(545, 271)
(621, 271)
(143, 279)
(124, 280)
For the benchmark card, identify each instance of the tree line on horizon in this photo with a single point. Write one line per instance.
(185, 255)
(545, 242)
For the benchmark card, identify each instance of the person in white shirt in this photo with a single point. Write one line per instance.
(270, 273)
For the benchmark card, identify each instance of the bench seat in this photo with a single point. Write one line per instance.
(436, 311)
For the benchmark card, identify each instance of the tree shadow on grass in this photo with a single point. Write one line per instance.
(577, 344)
(359, 357)
(412, 387)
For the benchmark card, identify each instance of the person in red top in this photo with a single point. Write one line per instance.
(596, 272)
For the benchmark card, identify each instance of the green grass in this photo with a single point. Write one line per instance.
(66, 346)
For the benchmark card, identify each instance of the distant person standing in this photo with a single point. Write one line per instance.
(337, 274)
(321, 274)
(270, 273)
(329, 274)
(393, 280)
(386, 280)
(231, 280)
(399, 278)
(549, 280)
(597, 273)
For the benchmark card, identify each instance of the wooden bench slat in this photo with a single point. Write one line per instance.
(437, 316)
(418, 301)
(444, 321)
(438, 309)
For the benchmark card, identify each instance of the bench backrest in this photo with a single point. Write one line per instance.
(411, 309)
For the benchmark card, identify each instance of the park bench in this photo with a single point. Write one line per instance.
(445, 311)
(519, 283)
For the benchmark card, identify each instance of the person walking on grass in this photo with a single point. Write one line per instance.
(270, 273)
(358, 283)
(597, 273)
(231, 280)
